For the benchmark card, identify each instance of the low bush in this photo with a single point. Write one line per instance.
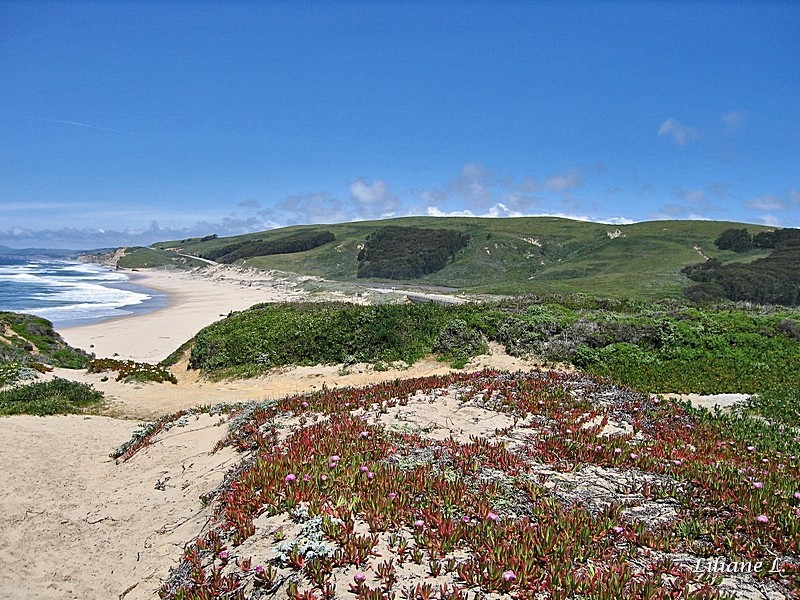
(55, 397)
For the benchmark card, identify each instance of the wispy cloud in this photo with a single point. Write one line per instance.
(733, 120)
(75, 124)
(681, 134)
(766, 202)
(561, 182)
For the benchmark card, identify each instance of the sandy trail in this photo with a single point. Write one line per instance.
(77, 525)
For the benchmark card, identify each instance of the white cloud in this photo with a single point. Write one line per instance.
(561, 182)
(693, 196)
(96, 237)
(372, 200)
(766, 202)
(680, 133)
(770, 220)
(794, 196)
(733, 119)
(250, 203)
(500, 210)
(311, 207)
(473, 185)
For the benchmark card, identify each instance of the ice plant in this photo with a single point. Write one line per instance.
(763, 519)
(290, 477)
(509, 576)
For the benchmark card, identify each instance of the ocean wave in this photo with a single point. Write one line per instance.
(61, 291)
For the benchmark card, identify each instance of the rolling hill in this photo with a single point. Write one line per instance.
(536, 255)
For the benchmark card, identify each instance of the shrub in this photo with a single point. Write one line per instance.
(408, 252)
(457, 340)
(58, 396)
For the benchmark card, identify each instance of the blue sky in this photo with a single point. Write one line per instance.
(130, 122)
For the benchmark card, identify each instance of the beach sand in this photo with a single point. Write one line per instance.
(197, 299)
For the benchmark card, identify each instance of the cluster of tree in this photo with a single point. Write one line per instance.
(771, 280)
(299, 241)
(740, 240)
(408, 252)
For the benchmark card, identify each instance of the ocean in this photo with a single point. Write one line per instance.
(71, 293)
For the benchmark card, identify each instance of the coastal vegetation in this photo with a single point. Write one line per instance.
(30, 340)
(55, 397)
(408, 252)
(541, 255)
(299, 241)
(145, 258)
(130, 371)
(774, 279)
(654, 347)
(573, 511)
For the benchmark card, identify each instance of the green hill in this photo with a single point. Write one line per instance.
(540, 255)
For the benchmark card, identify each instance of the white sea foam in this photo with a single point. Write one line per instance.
(66, 292)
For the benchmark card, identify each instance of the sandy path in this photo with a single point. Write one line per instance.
(75, 525)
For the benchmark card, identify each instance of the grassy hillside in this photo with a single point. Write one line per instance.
(29, 339)
(520, 255)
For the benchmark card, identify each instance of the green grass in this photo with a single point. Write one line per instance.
(55, 397)
(143, 258)
(568, 256)
(30, 339)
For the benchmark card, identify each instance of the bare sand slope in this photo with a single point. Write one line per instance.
(76, 525)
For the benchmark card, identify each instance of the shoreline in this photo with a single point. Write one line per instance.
(194, 301)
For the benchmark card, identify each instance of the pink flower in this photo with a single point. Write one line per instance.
(306, 477)
(419, 523)
(797, 495)
(359, 578)
(363, 468)
(392, 495)
(304, 404)
(493, 517)
(370, 475)
(634, 456)
(617, 450)
(509, 576)
(335, 458)
(763, 519)
(290, 477)
(364, 434)
(758, 485)
(751, 448)
(617, 529)
(259, 570)
(324, 477)
(223, 555)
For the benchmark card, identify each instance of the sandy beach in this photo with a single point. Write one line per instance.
(196, 299)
